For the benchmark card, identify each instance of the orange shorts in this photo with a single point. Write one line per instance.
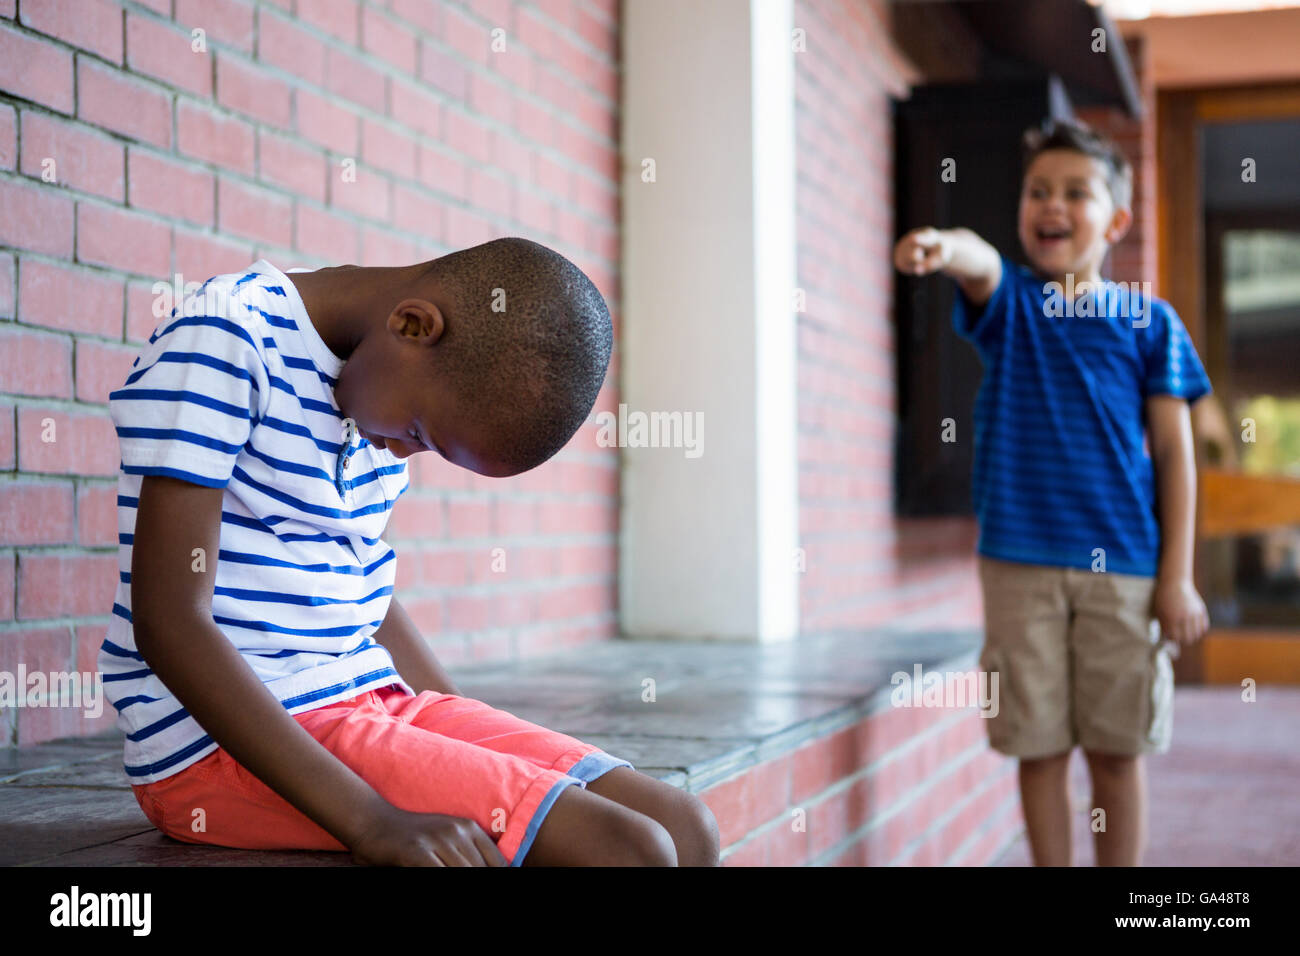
(432, 753)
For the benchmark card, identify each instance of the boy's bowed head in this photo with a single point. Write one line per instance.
(492, 356)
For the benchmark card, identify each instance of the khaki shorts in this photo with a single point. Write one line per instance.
(1079, 661)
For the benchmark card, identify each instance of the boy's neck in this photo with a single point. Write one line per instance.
(345, 302)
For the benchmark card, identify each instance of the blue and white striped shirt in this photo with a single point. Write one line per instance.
(1063, 475)
(235, 390)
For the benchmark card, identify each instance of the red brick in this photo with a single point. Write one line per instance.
(45, 289)
(489, 97)
(84, 443)
(165, 53)
(321, 121)
(140, 320)
(7, 587)
(575, 601)
(415, 109)
(379, 247)
(226, 21)
(464, 228)
(292, 166)
(285, 44)
(328, 236)
(467, 36)
(254, 213)
(444, 173)
(390, 41)
(82, 158)
(122, 240)
(424, 15)
(88, 640)
(490, 193)
(37, 512)
(366, 195)
(94, 25)
(249, 89)
(537, 125)
(338, 18)
(35, 217)
(413, 211)
(38, 649)
(97, 514)
(35, 69)
(208, 135)
(787, 846)
(7, 446)
(35, 363)
(8, 137)
(101, 368)
(123, 104)
(753, 853)
(347, 76)
(468, 612)
(178, 190)
(444, 71)
(389, 149)
(469, 136)
(65, 585)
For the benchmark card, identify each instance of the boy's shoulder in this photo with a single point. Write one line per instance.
(242, 302)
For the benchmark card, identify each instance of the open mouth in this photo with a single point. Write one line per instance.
(1052, 236)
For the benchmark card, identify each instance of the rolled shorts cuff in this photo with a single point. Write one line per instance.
(596, 764)
(588, 768)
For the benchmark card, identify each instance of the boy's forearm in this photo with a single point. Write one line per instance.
(215, 684)
(972, 258)
(415, 660)
(1176, 481)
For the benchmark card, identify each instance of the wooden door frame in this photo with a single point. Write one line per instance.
(1181, 239)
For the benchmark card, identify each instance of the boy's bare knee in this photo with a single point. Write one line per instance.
(648, 842)
(1049, 764)
(701, 832)
(1111, 764)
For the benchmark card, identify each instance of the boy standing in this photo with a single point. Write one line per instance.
(274, 694)
(1084, 488)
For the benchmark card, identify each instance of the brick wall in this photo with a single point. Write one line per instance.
(902, 786)
(169, 159)
(865, 567)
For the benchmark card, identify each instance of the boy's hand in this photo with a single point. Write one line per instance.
(1180, 611)
(923, 251)
(401, 838)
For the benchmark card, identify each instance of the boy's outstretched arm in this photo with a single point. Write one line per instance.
(171, 607)
(959, 253)
(414, 658)
(1177, 605)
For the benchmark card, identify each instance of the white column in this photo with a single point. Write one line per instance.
(707, 544)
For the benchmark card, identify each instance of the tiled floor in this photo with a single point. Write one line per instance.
(1224, 795)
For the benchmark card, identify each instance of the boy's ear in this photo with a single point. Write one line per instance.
(1119, 223)
(418, 319)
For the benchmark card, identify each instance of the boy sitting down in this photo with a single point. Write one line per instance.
(261, 668)
(1084, 488)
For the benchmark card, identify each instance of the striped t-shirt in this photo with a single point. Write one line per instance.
(1063, 475)
(235, 390)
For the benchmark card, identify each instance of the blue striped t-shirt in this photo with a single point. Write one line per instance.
(1062, 466)
(235, 390)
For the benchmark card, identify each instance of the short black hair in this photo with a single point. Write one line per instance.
(1071, 134)
(526, 343)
